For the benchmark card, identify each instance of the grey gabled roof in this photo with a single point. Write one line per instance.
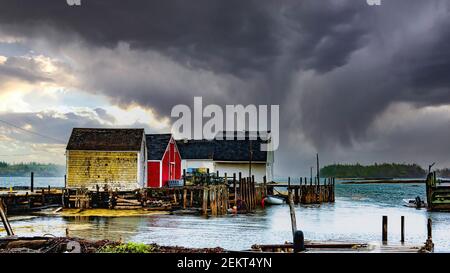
(156, 145)
(106, 139)
(223, 149)
(196, 149)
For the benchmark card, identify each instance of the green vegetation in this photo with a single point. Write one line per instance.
(385, 170)
(24, 169)
(128, 248)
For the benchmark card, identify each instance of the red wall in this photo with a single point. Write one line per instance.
(165, 169)
(170, 156)
(153, 174)
(177, 164)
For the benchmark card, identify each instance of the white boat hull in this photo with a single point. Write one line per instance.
(273, 200)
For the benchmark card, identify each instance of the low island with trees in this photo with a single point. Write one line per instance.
(378, 171)
(25, 169)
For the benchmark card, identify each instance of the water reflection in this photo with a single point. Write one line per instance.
(356, 216)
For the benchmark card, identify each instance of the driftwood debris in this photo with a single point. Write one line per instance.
(77, 245)
(5, 220)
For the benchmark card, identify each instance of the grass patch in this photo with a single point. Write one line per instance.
(128, 248)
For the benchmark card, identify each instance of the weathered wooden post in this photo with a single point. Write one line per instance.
(402, 224)
(289, 184)
(215, 200)
(6, 224)
(318, 170)
(265, 186)
(429, 245)
(184, 198)
(32, 182)
(385, 229)
(175, 197)
(249, 192)
(184, 177)
(429, 229)
(244, 192)
(253, 192)
(240, 185)
(212, 200)
(219, 200)
(292, 213)
(234, 189)
(205, 201)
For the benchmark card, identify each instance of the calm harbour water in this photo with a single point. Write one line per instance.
(355, 216)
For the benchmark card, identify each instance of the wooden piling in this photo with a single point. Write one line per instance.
(184, 198)
(234, 189)
(240, 185)
(385, 229)
(205, 201)
(6, 224)
(402, 232)
(429, 229)
(219, 200)
(212, 200)
(253, 192)
(265, 186)
(292, 213)
(32, 182)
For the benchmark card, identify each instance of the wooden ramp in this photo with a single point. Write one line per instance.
(344, 247)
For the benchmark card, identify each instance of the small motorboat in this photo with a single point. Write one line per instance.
(414, 203)
(273, 200)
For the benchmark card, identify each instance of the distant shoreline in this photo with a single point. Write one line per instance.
(385, 181)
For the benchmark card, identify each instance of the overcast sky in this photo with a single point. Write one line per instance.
(354, 82)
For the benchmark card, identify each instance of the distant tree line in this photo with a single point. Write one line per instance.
(443, 172)
(24, 169)
(384, 170)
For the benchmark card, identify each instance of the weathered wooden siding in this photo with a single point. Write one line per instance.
(258, 169)
(90, 168)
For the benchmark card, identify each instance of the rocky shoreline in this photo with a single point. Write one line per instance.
(79, 245)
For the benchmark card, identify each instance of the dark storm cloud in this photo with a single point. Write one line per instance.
(50, 127)
(22, 69)
(333, 66)
(45, 127)
(234, 35)
(405, 64)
